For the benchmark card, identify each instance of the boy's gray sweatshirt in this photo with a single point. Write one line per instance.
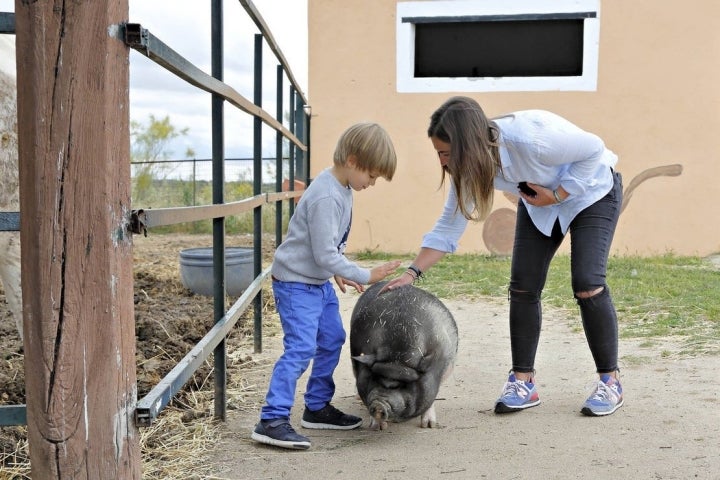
(313, 250)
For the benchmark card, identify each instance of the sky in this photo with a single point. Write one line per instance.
(184, 25)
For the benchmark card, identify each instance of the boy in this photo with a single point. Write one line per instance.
(311, 254)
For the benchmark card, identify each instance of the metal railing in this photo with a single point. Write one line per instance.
(142, 41)
(10, 221)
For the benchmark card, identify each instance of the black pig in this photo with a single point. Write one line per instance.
(403, 344)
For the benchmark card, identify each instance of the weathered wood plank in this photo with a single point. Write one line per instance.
(77, 256)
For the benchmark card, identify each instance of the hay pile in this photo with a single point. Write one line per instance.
(175, 444)
(169, 321)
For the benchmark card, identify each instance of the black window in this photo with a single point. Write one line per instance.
(499, 46)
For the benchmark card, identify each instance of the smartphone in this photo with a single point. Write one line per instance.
(523, 186)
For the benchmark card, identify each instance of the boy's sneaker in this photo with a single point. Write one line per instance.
(280, 433)
(517, 395)
(606, 398)
(329, 418)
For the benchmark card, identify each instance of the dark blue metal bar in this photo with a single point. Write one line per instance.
(9, 221)
(257, 186)
(301, 166)
(278, 154)
(7, 22)
(218, 194)
(291, 159)
(300, 131)
(11, 415)
(307, 115)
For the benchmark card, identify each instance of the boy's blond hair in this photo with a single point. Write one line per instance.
(371, 146)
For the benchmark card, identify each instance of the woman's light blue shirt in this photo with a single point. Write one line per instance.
(540, 147)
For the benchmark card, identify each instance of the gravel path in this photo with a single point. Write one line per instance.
(669, 427)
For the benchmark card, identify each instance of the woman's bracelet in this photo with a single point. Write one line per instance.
(418, 273)
(411, 275)
(557, 196)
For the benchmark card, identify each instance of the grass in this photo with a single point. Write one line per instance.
(657, 298)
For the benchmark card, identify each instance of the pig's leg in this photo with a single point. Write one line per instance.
(379, 411)
(376, 424)
(429, 419)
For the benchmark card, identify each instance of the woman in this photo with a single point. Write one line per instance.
(566, 182)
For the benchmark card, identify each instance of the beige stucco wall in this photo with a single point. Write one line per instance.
(657, 103)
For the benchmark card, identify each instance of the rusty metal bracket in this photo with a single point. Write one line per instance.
(137, 37)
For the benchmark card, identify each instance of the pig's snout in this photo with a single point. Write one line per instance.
(380, 414)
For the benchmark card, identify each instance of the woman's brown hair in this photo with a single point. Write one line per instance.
(474, 158)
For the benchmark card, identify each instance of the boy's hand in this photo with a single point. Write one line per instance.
(379, 273)
(341, 282)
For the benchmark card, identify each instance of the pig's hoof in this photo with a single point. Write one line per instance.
(378, 425)
(429, 418)
(430, 424)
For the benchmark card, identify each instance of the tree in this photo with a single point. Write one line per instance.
(148, 150)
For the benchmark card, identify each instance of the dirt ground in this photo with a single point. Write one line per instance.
(169, 321)
(669, 427)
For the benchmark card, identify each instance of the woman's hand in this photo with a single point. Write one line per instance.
(424, 260)
(405, 279)
(543, 196)
(376, 274)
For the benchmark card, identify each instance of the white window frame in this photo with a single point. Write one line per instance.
(405, 40)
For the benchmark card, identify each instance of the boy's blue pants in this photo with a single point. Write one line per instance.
(313, 330)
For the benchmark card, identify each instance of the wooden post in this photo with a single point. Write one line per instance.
(73, 101)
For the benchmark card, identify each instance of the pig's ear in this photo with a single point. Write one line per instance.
(365, 359)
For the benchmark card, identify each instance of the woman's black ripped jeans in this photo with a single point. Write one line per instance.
(591, 233)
